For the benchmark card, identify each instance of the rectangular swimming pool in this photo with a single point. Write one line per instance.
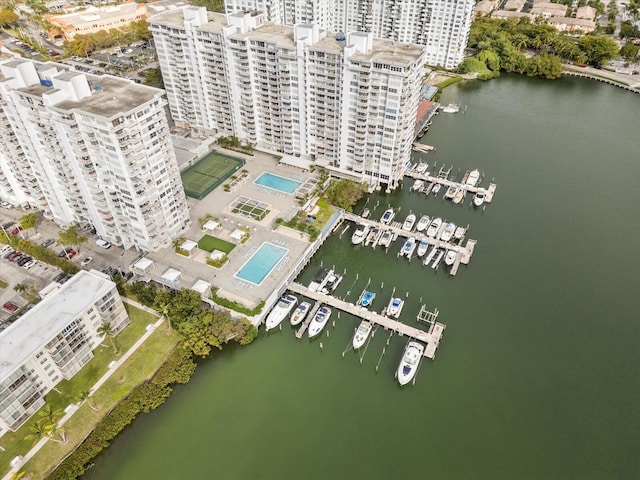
(275, 182)
(261, 263)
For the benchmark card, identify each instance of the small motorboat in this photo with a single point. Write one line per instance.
(365, 213)
(451, 192)
(457, 198)
(422, 167)
(436, 188)
(450, 257)
(280, 311)
(409, 222)
(318, 279)
(478, 199)
(331, 283)
(423, 223)
(473, 178)
(408, 247)
(320, 319)
(410, 361)
(395, 307)
(447, 232)
(417, 185)
(373, 234)
(386, 238)
(387, 216)
(360, 234)
(451, 108)
(459, 233)
(434, 227)
(362, 333)
(367, 298)
(300, 313)
(423, 246)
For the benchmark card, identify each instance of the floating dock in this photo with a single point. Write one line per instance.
(442, 179)
(431, 338)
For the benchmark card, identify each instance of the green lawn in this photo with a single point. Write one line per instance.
(209, 244)
(15, 444)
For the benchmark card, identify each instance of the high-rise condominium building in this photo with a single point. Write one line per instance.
(347, 103)
(90, 150)
(441, 25)
(53, 341)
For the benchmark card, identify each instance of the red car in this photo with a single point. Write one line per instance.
(16, 230)
(10, 306)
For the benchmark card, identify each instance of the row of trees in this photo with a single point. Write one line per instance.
(517, 45)
(82, 45)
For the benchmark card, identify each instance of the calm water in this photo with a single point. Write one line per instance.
(537, 376)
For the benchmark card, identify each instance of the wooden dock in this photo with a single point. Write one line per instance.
(488, 192)
(431, 338)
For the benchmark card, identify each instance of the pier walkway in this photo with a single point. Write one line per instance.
(464, 252)
(431, 338)
(488, 192)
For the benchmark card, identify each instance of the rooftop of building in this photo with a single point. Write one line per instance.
(43, 322)
(93, 14)
(271, 33)
(392, 53)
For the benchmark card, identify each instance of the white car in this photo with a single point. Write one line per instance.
(6, 205)
(103, 243)
(86, 261)
(30, 263)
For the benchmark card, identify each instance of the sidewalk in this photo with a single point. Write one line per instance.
(71, 409)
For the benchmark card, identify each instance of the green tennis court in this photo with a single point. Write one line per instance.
(210, 171)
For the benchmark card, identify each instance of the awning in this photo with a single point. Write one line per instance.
(210, 226)
(202, 287)
(171, 277)
(141, 265)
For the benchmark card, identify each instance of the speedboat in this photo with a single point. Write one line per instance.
(450, 257)
(473, 178)
(319, 279)
(478, 199)
(387, 216)
(451, 192)
(457, 198)
(409, 222)
(373, 234)
(280, 311)
(451, 108)
(395, 307)
(410, 361)
(434, 227)
(408, 247)
(436, 188)
(422, 223)
(367, 298)
(331, 284)
(422, 247)
(386, 238)
(362, 333)
(459, 233)
(360, 234)
(319, 320)
(417, 185)
(447, 232)
(300, 313)
(421, 168)
(365, 213)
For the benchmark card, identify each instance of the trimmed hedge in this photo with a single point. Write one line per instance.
(235, 306)
(39, 252)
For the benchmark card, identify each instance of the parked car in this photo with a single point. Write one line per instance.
(6, 205)
(48, 241)
(7, 225)
(103, 243)
(10, 307)
(24, 260)
(69, 253)
(13, 256)
(16, 230)
(59, 277)
(8, 253)
(86, 261)
(5, 249)
(30, 263)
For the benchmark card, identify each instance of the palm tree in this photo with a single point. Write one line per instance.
(107, 330)
(85, 396)
(54, 429)
(164, 308)
(37, 431)
(19, 287)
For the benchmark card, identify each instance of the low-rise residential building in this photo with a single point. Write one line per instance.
(514, 5)
(53, 341)
(484, 8)
(571, 25)
(586, 13)
(548, 10)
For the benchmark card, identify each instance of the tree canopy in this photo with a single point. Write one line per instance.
(345, 193)
(8, 17)
(71, 237)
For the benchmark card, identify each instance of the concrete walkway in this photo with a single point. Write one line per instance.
(18, 462)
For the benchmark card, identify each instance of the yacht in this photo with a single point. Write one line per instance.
(447, 232)
(434, 227)
(395, 307)
(367, 298)
(387, 216)
(421, 168)
(300, 313)
(386, 238)
(473, 178)
(331, 284)
(450, 257)
(451, 192)
(422, 247)
(319, 279)
(478, 199)
(320, 319)
(436, 188)
(451, 108)
(410, 362)
(408, 247)
(422, 223)
(417, 185)
(409, 222)
(280, 311)
(362, 333)
(360, 234)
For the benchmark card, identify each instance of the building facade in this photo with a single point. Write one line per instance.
(53, 341)
(90, 150)
(441, 25)
(344, 102)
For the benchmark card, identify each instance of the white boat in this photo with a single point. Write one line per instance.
(386, 238)
(319, 320)
(422, 247)
(421, 168)
(451, 108)
(436, 188)
(331, 284)
(473, 178)
(409, 222)
(430, 256)
(447, 232)
(300, 313)
(367, 298)
(362, 333)
(280, 311)
(373, 234)
(439, 255)
(410, 361)
(417, 185)
(360, 234)
(387, 216)
(365, 213)
(408, 247)
(318, 279)
(434, 227)
(459, 233)
(395, 307)
(457, 198)
(450, 257)
(451, 192)
(478, 199)
(423, 223)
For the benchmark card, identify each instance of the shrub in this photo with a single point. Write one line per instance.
(235, 306)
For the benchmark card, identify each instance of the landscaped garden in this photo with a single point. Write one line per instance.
(209, 243)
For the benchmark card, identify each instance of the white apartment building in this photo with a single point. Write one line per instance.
(90, 150)
(53, 341)
(441, 25)
(347, 103)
